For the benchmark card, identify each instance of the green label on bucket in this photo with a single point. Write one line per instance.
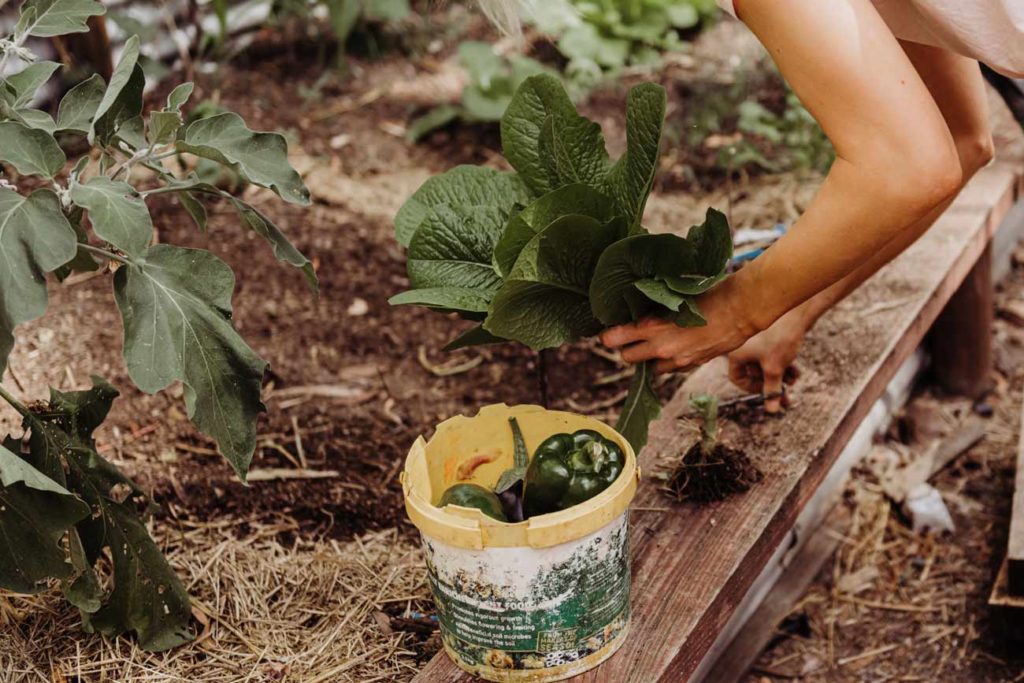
(528, 608)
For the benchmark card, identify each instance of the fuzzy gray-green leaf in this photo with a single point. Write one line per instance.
(118, 214)
(122, 100)
(35, 238)
(47, 18)
(30, 150)
(27, 81)
(176, 306)
(262, 158)
(78, 106)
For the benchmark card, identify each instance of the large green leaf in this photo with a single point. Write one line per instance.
(30, 150)
(446, 298)
(453, 248)
(641, 408)
(35, 514)
(78, 107)
(712, 244)
(118, 214)
(571, 199)
(262, 158)
(474, 336)
(632, 176)
(640, 257)
(461, 186)
(47, 18)
(27, 81)
(176, 306)
(545, 301)
(35, 238)
(145, 597)
(36, 118)
(122, 100)
(547, 141)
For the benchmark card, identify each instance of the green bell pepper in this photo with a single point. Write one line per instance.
(473, 496)
(568, 469)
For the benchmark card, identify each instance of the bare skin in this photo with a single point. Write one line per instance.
(909, 125)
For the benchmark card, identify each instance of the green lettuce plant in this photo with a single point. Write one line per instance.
(555, 251)
(603, 36)
(66, 513)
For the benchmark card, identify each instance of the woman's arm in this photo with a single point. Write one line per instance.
(895, 162)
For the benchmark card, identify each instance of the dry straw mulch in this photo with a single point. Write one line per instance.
(309, 612)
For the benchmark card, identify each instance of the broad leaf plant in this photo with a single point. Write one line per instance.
(67, 515)
(554, 251)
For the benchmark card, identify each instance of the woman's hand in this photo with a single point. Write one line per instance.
(679, 348)
(765, 361)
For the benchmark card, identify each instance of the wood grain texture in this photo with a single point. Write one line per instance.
(1015, 548)
(693, 565)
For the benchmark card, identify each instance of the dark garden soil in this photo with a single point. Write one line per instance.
(704, 478)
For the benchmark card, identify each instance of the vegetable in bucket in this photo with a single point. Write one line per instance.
(566, 469)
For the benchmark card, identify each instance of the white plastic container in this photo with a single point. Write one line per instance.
(540, 600)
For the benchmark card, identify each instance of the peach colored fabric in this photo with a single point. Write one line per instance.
(991, 31)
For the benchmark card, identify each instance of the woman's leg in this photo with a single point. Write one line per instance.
(956, 84)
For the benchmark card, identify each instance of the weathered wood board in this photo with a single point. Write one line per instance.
(1015, 547)
(692, 566)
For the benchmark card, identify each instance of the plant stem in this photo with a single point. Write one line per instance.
(542, 375)
(15, 403)
(107, 254)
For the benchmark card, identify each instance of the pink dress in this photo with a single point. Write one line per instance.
(991, 31)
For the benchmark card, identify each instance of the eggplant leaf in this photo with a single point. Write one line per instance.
(35, 238)
(176, 307)
(35, 514)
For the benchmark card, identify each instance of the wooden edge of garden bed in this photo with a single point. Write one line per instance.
(1014, 566)
(693, 566)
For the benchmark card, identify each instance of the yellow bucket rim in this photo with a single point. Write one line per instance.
(470, 528)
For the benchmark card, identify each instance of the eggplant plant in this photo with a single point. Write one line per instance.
(66, 513)
(555, 251)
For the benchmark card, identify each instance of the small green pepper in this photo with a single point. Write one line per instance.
(568, 469)
(473, 496)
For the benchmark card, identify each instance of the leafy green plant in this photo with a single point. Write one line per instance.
(763, 139)
(69, 514)
(344, 17)
(555, 251)
(602, 36)
(492, 81)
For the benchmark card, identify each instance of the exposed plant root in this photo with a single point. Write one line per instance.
(703, 479)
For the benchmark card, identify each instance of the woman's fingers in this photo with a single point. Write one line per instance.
(621, 335)
(638, 353)
(772, 386)
(746, 374)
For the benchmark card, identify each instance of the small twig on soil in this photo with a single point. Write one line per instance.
(614, 377)
(283, 473)
(446, 370)
(843, 661)
(17, 382)
(298, 443)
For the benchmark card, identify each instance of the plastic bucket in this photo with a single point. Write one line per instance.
(540, 600)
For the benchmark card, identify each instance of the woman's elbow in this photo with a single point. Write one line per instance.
(928, 179)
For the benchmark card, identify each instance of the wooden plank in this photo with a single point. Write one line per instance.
(1015, 547)
(746, 647)
(961, 338)
(693, 565)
